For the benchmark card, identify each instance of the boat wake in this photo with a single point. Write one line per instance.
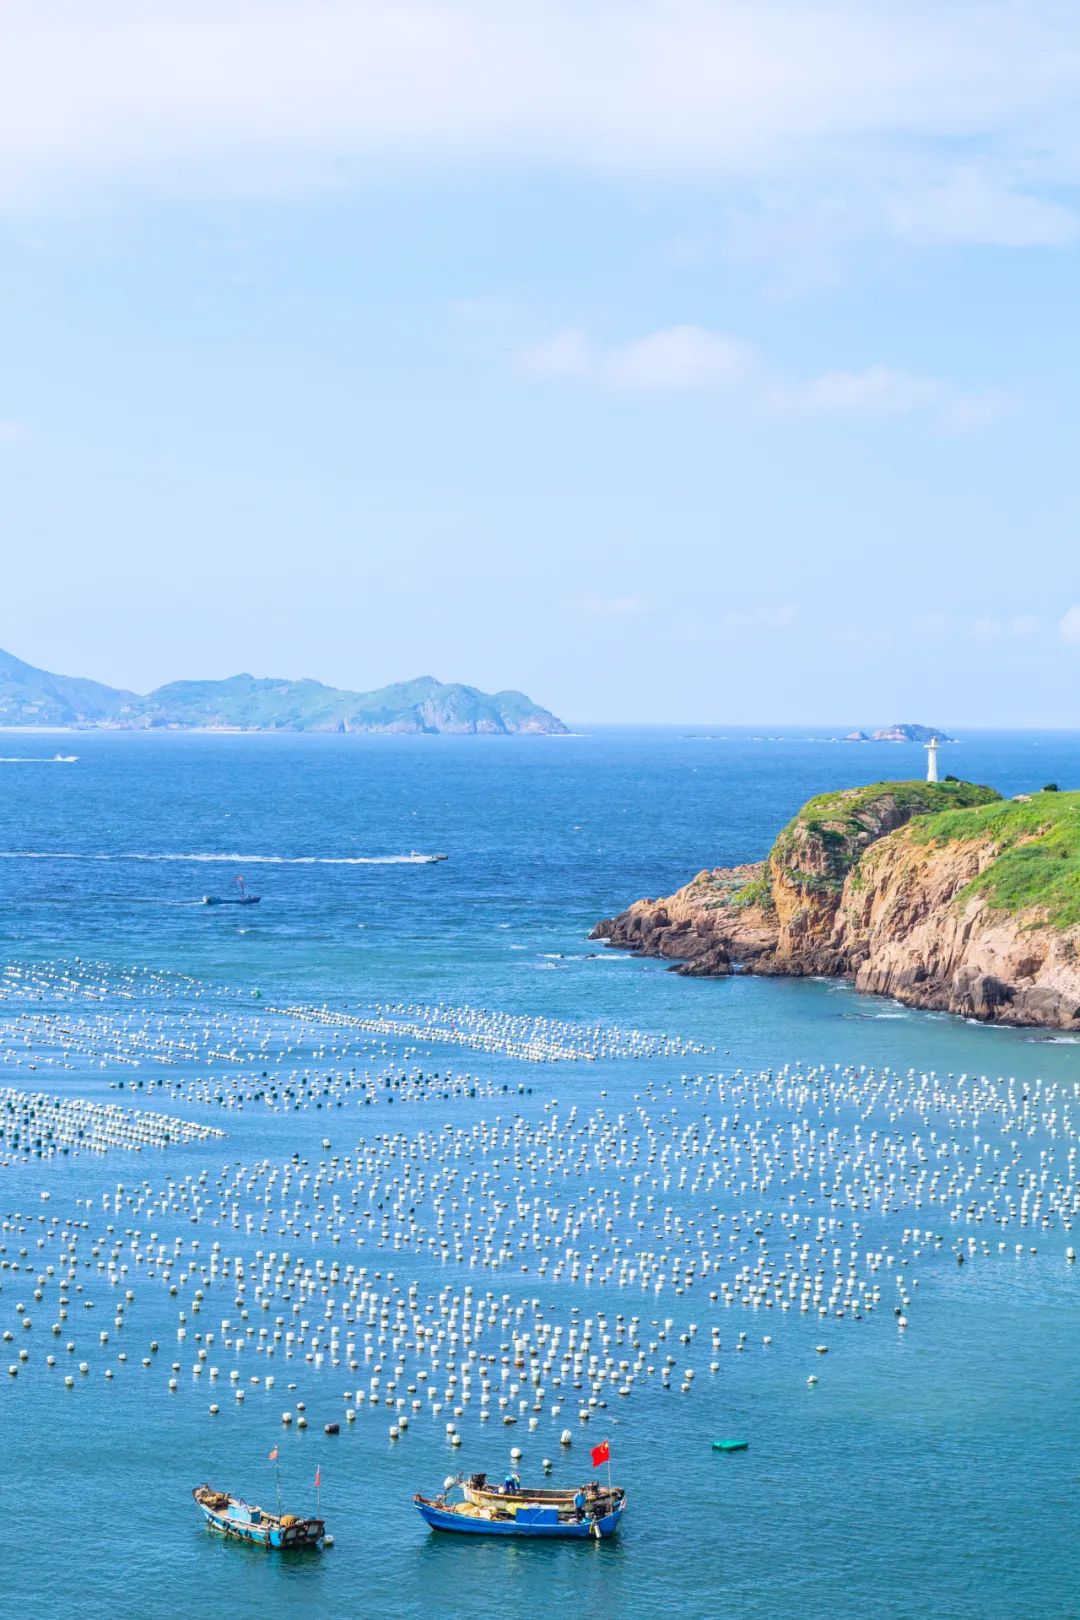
(38, 759)
(224, 859)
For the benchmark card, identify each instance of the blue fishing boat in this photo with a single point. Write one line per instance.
(231, 1516)
(538, 1520)
(241, 898)
(512, 1494)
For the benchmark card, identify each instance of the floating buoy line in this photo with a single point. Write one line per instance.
(530, 1261)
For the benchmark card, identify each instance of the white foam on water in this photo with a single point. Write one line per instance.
(223, 859)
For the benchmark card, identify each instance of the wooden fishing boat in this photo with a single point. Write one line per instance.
(233, 1517)
(242, 897)
(542, 1521)
(477, 1489)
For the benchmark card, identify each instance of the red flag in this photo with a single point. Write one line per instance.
(601, 1454)
(273, 1455)
(318, 1477)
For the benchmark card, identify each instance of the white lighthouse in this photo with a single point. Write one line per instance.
(931, 760)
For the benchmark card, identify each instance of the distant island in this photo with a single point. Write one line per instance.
(901, 733)
(34, 697)
(940, 894)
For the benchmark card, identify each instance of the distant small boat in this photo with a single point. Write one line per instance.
(730, 1445)
(240, 898)
(425, 860)
(231, 1516)
(544, 1521)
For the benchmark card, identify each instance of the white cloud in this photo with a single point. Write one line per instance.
(861, 108)
(972, 206)
(676, 358)
(1069, 626)
(692, 358)
(882, 391)
(1021, 627)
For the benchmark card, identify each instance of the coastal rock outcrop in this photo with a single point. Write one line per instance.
(940, 895)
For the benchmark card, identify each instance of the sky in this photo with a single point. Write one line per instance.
(669, 360)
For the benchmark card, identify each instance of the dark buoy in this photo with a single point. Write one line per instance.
(331, 1428)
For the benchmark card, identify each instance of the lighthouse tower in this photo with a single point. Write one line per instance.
(931, 760)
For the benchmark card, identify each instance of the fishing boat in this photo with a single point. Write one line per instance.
(240, 898)
(535, 1520)
(476, 1489)
(231, 1516)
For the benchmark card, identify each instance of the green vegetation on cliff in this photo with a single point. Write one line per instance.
(846, 806)
(1037, 853)
(819, 847)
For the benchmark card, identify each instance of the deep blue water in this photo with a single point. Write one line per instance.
(927, 1472)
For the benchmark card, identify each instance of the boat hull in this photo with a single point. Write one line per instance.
(242, 1523)
(447, 1519)
(487, 1496)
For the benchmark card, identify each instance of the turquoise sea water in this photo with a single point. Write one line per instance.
(928, 1471)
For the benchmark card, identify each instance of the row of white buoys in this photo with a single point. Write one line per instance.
(36, 1125)
(551, 1241)
(147, 1023)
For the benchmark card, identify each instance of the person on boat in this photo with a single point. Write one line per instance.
(580, 1500)
(512, 1483)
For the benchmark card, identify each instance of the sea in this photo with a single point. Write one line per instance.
(420, 1094)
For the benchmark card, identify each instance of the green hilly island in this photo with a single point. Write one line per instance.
(35, 697)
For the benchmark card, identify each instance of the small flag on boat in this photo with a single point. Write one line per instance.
(318, 1477)
(601, 1454)
(273, 1455)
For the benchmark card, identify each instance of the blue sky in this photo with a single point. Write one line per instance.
(668, 360)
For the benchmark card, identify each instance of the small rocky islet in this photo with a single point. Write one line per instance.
(942, 895)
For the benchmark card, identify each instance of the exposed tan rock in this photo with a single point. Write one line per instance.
(707, 926)
(849, 891)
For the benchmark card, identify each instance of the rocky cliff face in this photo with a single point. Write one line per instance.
(910, 927)
(718, 922)
(855, 887)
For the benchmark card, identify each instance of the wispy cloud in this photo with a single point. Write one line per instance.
(682, 359)
(611, 607)
(12, 432)
(883, 391)
(990, 629)
(1069, 626)
(933, 122)
(770, 616)
(677, 358)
